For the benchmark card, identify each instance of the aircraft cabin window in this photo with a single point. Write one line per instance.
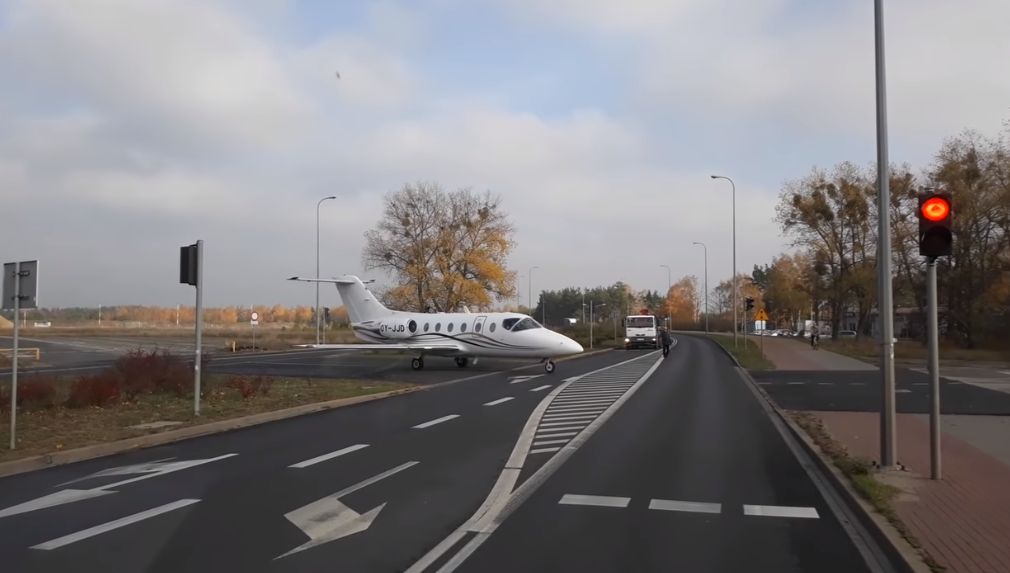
(508, 323)
(525, 324)
(476, 327)
(462, 327)
(426, 327)
(438, 327)
(412, 327)
(491, 328)
(448, 327)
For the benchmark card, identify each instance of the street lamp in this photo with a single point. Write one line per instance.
(317, 262)
(669, 285)
(735, 324)
(703, 246)
(591, 321)
(529, 291)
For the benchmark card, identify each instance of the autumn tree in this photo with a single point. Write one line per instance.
(681, 303)
(784, 289)
(444, 249)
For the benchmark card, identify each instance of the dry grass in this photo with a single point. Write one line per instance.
(869, 350)
(748, 354)
(268, 337)
(61, 428)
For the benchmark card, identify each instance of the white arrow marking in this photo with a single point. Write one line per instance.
(148, 470)
(328, 519)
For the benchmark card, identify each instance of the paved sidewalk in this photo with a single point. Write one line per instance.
(789, 354)
(963, 520)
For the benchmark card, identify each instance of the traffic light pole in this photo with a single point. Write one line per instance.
(14, 356)
(934, 370)
(199, 327)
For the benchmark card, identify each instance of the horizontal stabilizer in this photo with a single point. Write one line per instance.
(399, 346)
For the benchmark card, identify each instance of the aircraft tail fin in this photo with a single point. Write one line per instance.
(361, 304)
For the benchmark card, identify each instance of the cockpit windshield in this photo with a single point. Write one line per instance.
(525, 324)
(508, 323)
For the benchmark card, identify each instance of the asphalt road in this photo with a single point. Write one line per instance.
(405, 484)
(859, 391)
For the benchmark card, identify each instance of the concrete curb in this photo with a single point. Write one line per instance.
(895, 547)
(53, 459)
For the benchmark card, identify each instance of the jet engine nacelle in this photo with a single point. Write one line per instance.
(398, 328)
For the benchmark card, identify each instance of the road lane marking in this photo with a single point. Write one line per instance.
(431, 423)
(572, 426)
(583, 402)
(902, 391)
(504, 497)
(328, 519)
(329, 456)
(539, 388)
(780, 511)
(518, 379)
(577, 410)
(499, 401)
(795, 383)
(688, 506)
(825, 383)
(549, 442)
(557, 435)
(545, 450)
(594, 500)
(116, 524)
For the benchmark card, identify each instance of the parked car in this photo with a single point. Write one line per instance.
(847, 334)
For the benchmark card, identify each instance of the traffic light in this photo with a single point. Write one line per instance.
(750, 303)
(935, 219)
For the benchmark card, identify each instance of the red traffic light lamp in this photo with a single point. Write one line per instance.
(935, 215)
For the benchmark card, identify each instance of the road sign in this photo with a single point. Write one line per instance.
(254, 318)
(761, 315)
(21, 279)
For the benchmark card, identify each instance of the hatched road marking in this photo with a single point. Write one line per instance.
(544, 450)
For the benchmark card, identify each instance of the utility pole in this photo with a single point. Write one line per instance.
(888, 439)
(934, 371)
(317, 261)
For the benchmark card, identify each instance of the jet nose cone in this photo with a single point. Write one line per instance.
(572, 346)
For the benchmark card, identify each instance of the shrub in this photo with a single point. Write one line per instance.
(248, 387)
(95, 390)
(147, 372)
(36, 392)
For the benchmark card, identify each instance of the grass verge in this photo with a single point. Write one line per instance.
(59, 428)
(748, 354)
(869, 351)
(860, 473)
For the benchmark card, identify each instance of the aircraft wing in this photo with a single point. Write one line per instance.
(440, 347)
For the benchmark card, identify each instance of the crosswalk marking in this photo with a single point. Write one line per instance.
(557, 435)
(545, 450)
(116, 524)
(549, 442)
(561, 427)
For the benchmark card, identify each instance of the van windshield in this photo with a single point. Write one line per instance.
(641, 321)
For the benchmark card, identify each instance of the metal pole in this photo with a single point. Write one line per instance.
(14, 356)
(706, 286)
(199, 327)
(888, 439)
(583, 306)
(934, 372)
(590, 325)
(99, 316)
(736, 312)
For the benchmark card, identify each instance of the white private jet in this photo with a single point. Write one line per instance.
(464, 336)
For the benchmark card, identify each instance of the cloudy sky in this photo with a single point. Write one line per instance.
(131, 127)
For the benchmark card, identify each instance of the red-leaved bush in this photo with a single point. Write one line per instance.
(248, 387)
(94, 390)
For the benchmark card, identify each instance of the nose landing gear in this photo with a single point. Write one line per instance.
(462, 361)
(417, 363)
(549, 366)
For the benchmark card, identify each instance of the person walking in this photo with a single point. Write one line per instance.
(666, 339)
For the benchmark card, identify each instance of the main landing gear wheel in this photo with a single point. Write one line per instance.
(417, 363)
(461, 361)
(549, 366)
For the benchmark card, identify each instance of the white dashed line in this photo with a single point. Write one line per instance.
(499, 401)
(544, 450)
(902, 391)
(825, 383)
(329, 456)
(105, 527)
(795, 383)
(594, 500)
(539, 388)
(780, 511)
(688, 506)
(435, 421)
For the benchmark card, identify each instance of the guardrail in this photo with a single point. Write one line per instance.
(22, 353)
